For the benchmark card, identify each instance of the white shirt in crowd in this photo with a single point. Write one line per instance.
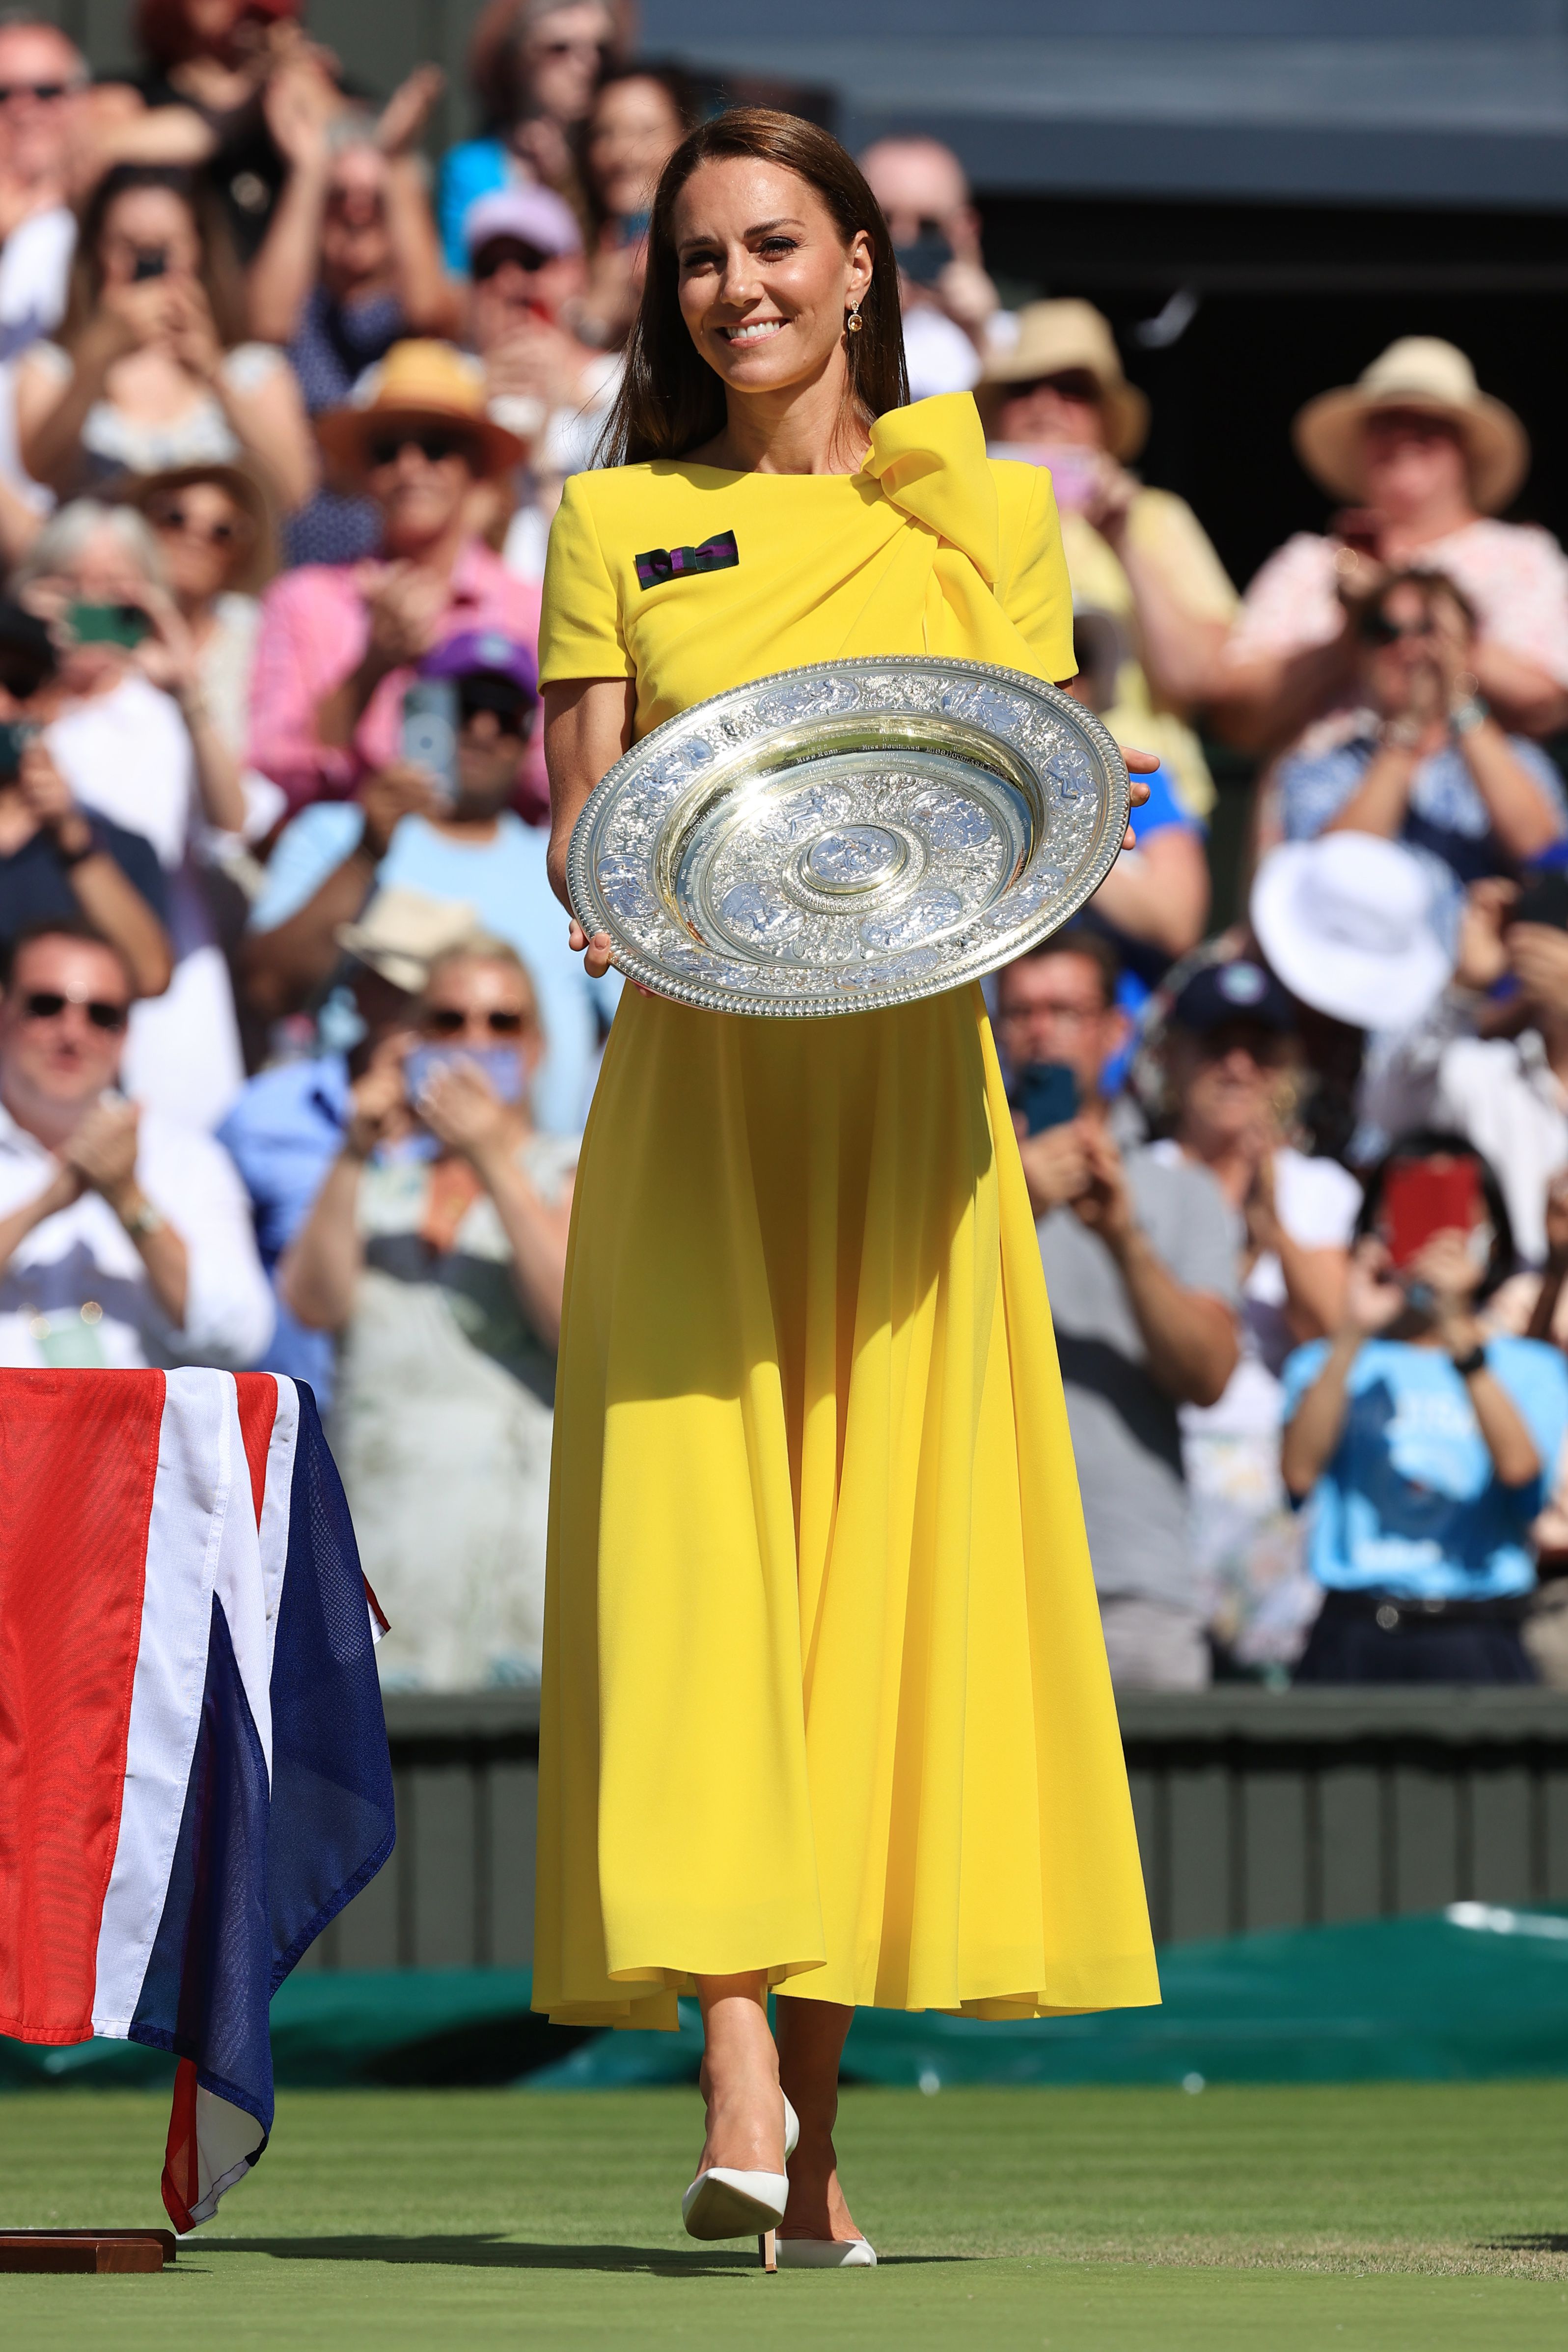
(34, 278)
(1498, 1092)
(127, 755)
(83, 1259)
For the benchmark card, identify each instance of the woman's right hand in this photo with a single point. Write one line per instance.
(1374, 1297)
(376, 1100)
(127, 319)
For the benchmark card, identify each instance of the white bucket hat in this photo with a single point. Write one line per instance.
(1346, 922)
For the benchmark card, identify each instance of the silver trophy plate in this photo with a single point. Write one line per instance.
(850, 835)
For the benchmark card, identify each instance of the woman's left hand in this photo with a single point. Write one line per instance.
(1139, 765)
(194, 340)
(1448, 1269)
(462, 1110)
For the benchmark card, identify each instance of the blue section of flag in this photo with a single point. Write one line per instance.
(332, 1824)
(257, 1875)
(205, 1991)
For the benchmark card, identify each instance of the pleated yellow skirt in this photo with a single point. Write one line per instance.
(824, 1688)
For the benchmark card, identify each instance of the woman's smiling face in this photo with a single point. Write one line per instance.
(765, 278)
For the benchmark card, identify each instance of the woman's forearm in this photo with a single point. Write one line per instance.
(1379, 802)
(538, 1236)
(1181, 650)
(431, 302)
(1314, 1286)
(1523, 818)
(217, 768)
(1313, 1432)
(281, 278)
(114, 906)
(48, 438)
(270, 424)
(1502, 1426)
(321, 1267)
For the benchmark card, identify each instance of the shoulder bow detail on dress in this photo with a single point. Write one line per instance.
(929, 462)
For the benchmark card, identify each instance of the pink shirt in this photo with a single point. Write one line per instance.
(314, 632)
(1515, 575)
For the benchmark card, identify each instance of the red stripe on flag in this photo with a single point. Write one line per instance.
(257, 1411)
(79, 1454)
(182, 2182)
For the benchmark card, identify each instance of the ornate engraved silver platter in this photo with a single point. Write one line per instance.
(850, 835)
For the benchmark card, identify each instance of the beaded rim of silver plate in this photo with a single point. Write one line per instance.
(850, 834)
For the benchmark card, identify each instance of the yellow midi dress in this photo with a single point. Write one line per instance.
(824, 1689)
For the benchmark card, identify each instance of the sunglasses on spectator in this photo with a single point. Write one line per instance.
(445, 1021)
(1377, 629)
(493, 257)
(569, 49)
(46, 92)
(435, 444)
(215, 534)
(1076, 384)
(48, 1003)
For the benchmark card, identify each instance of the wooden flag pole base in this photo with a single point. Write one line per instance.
(97, 2250)
(767, 2250)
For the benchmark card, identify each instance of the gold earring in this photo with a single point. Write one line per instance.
(854, 322)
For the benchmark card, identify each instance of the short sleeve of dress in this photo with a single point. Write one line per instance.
(1034, 590)
(581, 632)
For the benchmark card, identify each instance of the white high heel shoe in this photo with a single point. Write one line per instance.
(725, 2203)
(826, 2254)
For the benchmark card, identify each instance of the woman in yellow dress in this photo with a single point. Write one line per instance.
(826, 1709)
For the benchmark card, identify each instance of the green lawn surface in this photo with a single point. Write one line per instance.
(1368, 2217)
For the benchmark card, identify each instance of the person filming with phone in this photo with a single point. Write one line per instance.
(437, 819)
(154, 366)
(340, 642)
(1141, 1266)
(437, 1249)
(1422, 1446)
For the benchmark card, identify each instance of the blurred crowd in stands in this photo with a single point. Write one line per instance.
(294, 1057)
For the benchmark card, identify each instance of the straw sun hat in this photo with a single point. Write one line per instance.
(1421, 372)
(420, 382)
(1053, 337)
(253, 497)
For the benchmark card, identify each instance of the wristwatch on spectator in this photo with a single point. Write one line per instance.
(84, 844)
(142, 1219)
(1473, 1361)
(1468, 714)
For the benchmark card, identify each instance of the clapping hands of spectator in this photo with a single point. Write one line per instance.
(300, 102)
(535, 360)
(408, 110)
(462, 1108)
(405, 603)
(1557, 1220)
(102, 1150)
(1374, 1296)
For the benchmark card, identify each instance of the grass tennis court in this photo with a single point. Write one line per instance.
(1369, 2218)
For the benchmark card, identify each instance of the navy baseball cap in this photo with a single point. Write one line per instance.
(488, 653)
(1221, 993)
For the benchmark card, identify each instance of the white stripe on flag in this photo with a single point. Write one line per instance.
(191, 1529)
(277, 1497)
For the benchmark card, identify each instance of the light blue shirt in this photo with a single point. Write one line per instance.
(507, 885)
(1410, 1502)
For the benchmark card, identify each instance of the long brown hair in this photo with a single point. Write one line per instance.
(220, 274)
(671, 401)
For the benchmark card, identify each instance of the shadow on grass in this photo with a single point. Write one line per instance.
(1538, 2241)
(483, 2251)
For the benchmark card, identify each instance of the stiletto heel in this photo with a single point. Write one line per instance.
(725, 2202)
